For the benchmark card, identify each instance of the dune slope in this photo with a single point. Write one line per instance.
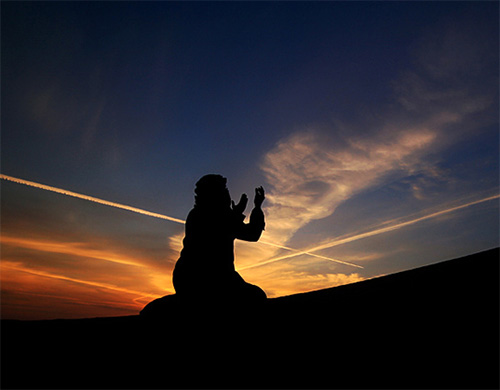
(431, 327)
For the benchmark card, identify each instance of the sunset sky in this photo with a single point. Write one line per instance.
(373, 127)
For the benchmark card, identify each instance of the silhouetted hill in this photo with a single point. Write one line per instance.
(432, 327)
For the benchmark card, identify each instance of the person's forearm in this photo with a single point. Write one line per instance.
(257, 219)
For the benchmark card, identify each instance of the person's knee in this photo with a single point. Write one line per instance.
(255, 293)
(261, 294)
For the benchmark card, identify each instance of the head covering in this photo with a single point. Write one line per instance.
(211, 191)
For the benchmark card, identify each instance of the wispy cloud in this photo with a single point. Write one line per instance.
(445, 96)
(79, 249)
(29, 293)
(13, 266)
(56, 278)
(436, 102)
(448, 95)
(454, 74)
(286, 278)
(310, 175)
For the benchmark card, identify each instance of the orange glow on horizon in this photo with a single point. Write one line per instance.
(72, 289)
(8, 265)
(68, 248)
(32, 294)
(95, 277)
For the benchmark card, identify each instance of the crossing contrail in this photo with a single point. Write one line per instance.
(145, 212)
(360, 236)
(298, 252)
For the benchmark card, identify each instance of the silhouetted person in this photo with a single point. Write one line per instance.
(205, 269)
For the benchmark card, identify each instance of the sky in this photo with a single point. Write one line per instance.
(373, 127)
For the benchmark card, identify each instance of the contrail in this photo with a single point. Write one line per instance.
(299, 252)
(90, 198)
(374, 232)
(144, 212)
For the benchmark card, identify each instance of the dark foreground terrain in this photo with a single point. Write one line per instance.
(432, 327)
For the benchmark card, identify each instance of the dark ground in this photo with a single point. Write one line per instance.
(432, 327)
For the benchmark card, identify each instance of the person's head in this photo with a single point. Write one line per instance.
(212, 193)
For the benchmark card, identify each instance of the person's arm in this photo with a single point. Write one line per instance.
(253, 230)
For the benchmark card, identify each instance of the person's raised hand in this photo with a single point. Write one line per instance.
(259, 196)
(241, 206)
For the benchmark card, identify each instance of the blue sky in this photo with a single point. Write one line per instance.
(352, 115)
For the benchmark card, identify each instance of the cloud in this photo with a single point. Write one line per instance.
(310, 175)
(302, 275)
(455, 71)
(447, 95)
(80, 249)
(8, 265)
(448, 91)
(33, 294)
(460, 49)
(63, 258)
(59, 279)
(395, 225)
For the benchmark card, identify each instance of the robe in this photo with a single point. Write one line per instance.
(206, 264)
